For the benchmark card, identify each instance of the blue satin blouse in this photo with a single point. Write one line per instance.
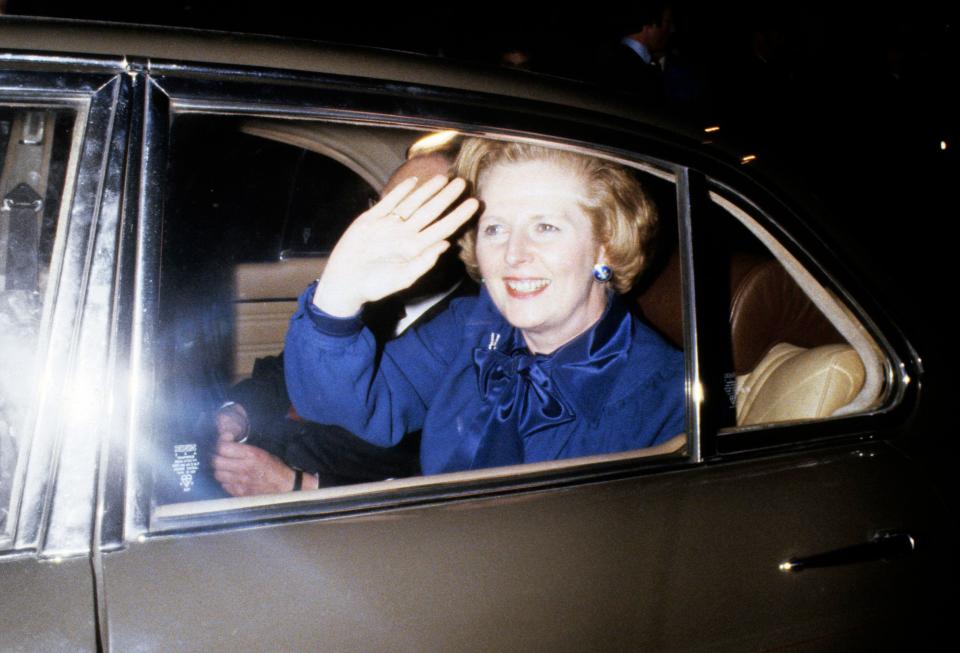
(480, 397)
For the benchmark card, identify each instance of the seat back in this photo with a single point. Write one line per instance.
(794, 383)
(265, 298)
(789, 360)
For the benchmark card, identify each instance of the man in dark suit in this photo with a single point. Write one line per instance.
(634, 64)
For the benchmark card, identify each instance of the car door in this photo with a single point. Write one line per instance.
(63, 137)
(698, 550)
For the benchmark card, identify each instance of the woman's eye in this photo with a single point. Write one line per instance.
(493, 230)
(545, 227)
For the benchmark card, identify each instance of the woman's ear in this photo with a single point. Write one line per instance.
(601, 255)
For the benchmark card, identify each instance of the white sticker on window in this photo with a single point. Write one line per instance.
(185, 464)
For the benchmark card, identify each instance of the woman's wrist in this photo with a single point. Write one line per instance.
(335, 299)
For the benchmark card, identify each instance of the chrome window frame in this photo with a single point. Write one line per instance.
(42, 520)
(277, 95)
(177, 89)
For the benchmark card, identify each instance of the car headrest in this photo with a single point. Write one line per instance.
(792, 383)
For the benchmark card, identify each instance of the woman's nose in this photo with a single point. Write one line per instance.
(518, 249)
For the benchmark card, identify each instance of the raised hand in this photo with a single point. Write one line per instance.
(392, 245)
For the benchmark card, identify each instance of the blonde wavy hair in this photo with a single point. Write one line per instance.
(622, 215)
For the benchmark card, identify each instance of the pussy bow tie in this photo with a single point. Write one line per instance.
(517, 389)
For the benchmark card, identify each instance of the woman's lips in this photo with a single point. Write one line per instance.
(524, 288)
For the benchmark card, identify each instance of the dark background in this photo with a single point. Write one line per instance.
(848, 78)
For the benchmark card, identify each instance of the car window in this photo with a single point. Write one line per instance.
(231, 273)
(791, 351)
(34, 147)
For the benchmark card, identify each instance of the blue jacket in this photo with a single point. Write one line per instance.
(481, 399)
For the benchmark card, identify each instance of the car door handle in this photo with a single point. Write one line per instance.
(884, 545)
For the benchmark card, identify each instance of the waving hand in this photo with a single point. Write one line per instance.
(392, 245)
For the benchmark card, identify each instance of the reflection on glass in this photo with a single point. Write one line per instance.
(34, 145)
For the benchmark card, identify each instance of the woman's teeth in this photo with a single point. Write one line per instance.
(527, 285)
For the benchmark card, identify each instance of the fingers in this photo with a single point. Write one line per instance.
(437, 205)
(237, 450)
(258, 472)
(410, 205)
(449, 224)
(234, 465)
(391, 200)
(234, 490)
(237, 487)
(232, 457)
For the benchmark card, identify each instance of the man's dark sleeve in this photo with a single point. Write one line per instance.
(264, 394)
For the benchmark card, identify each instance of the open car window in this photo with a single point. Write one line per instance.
(244, 234)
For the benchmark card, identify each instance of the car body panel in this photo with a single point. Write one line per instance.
(47, 605)
(540, 570)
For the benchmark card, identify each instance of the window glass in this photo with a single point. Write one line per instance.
(790, 351)
(249, 227)
(34, 147)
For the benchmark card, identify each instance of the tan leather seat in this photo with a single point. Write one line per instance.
(790, 362)
(794, 383)
(265, 298)
(767, 307)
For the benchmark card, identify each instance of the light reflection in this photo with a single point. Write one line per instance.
(698, 392)
(432, 142)
(712, 129)
(83, 401)
(747, 158)
(786, 566)
(943, 145)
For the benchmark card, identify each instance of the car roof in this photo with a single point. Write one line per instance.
(86, 38)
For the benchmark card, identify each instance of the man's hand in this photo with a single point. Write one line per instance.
(244, 470)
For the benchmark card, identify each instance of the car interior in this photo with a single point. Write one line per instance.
(250, 226)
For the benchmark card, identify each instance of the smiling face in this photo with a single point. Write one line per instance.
(536, 250)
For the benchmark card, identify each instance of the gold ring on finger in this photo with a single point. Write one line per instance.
(403, 218)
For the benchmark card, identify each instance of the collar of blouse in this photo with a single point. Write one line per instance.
(573, 381)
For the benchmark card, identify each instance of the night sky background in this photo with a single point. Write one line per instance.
(841, 72)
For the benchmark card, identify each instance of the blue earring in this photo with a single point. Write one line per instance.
(602, 272)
